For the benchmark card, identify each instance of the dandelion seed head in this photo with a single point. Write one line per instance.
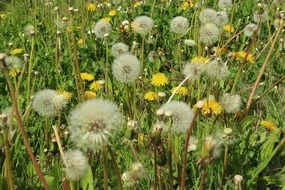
(119, 48)
(76, 164)
(224, 4)
(260, 17)
(222, 18)
(209, 34)
(48, 102)
(217, 70)
(152, 56)
(189, 42)
(250, 29)
(179, 25)
(208, 16)
(126, 68)
(142, 25)
(92, 122)
(29, 30)
(230, 103)
(181, 115)
(194, 70)
(101, 28)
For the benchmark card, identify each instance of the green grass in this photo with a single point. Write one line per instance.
(254, 151)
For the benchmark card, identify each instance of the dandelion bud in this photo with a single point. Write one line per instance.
(228, 131)
(65, 19)
(161, 94)
(55, 9)
(70, 8)
(160, 112)
(238, 179)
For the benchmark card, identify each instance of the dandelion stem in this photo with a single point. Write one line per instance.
(117, 169)
(225, 165)
(57, 138)
(184, 164)
(106, 67)
(263, 67)
(30, 66)
(170, 159)
(8, 166)
(203, 178)
(23, 132)
(155, 167)
(177, 88)
(106, 168)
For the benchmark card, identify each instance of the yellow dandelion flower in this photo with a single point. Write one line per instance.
(91, 7)
(159, 79)
(210, 106)
(14, 72)
(240, 56)
(268, 124)
(181, 90)
(106, 19)
(66, 94)
(221, 51)
(90, 94)
(151, 96)
(199, 59)
(187, 4)
(2, 15)
(138, 4)
(16, 51)
(86, 76)
(95, 85)
(68, 29)
(141, 138)
(80, 42)
(229, 28)
(112, 12)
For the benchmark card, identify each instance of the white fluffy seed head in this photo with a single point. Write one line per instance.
(209, 34)
(194, 70)
(119, 48)
(92, 122)
(142, 25)
(222, 18)
(179, 25)
(48, 103)
(182, 115)
(260, 17)
(224, 4)
(76, 164)
(126, 68)
(189, 42)
(217, 70)
(250, 29)
(230, 103)
(208, 16)
(101, 28)
(13, 62)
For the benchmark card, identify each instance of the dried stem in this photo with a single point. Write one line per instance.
(248, 105)
(184, 164)
(23, 132)
(116, 167)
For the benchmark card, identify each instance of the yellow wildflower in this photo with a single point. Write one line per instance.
(151, 96)
(268, 124)
(199, 59)
(66, 94)
(106, 19)
(113, 12)
(95, 85)
(91, 7)
(187, 4)
(86, 76)
(16, 51)
(14, 72)
(221, 51)
(240, 56)
(138, 4)
(80, 42)
(181, 90)
(229, 28)
(211, 106)
(2, 15)
(141, 138)
(90, 94)
(159, 79)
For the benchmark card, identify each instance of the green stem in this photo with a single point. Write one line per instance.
(30, 67)
(225, 165)
(117, 169)
(106, 168)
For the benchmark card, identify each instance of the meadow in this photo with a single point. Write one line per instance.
(142, 94)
